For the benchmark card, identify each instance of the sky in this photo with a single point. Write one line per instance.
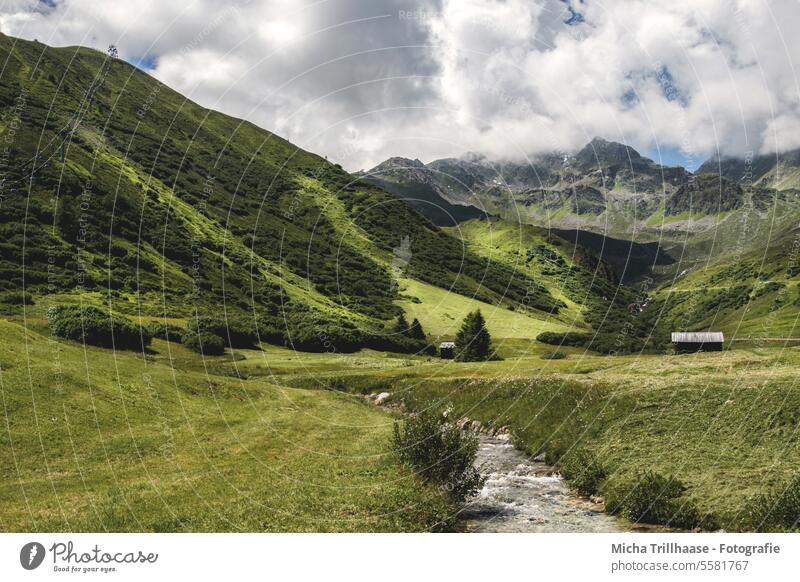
(360, 81)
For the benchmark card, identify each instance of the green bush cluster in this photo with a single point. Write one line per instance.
(401, 337)
(778, 510)
(584, 473)
(656, 499)
(235, 331)
(604, 343)
(310, 330)
(167, 331)
(203, 342)
(440, 453)
(553, 356)
(97, 327)
(16, 298)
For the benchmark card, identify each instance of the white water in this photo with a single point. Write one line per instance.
(522, 495)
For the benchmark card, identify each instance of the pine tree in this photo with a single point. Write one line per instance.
(473, 343)
(416, 332)
(401, 325)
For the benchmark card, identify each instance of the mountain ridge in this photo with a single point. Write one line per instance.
(151, 205)
(610, 189)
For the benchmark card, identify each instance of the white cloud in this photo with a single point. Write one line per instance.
(362, 81)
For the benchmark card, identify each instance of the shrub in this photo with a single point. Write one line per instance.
(656, 499)
(392, 341)
(311, 330)
(584, 472)
(554, 356)
(774, 511)
(235, 331)
(603, 342)
(203, 342)
(167, 331)
(439, 452)
(97, 327)
(570, 338)
(16, 298)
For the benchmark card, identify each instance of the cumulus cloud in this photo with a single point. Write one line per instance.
(360, 81)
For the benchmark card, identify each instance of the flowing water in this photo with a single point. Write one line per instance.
(522, 495)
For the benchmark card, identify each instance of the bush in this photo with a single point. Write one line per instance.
(656, 499)
(775, 511)
(167, 331)
(584, 473)
(97, 327)
(439, 452)
(570, 338)
(16, 298)
(309, 330)
(235, 331)
(554, 356)
(602, 342)
(397, 343)
(203, 342)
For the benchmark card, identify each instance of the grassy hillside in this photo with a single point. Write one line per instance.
(114, 183)
(441, 313)
(606, 316)
(751, 296)
(102, 441)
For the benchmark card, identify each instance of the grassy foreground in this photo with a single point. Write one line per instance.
(102, 441)
(725, 425)
(276, 440)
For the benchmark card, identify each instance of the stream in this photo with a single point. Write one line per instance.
(522, 495)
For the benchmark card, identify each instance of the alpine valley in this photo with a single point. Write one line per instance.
(201, 323)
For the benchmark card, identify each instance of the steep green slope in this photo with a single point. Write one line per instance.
(114, 183)
(753, 295)
(601, 314)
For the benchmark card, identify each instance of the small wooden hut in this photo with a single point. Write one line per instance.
(698, 341)
(446, 350)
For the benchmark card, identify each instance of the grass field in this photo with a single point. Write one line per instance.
(724, 424)
(96, 440)
(277, 440)
(441, 312)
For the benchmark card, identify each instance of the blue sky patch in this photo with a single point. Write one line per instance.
(669, 88)
(145, 62)
(673, 156)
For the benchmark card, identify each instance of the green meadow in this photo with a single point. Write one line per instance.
(96, 440)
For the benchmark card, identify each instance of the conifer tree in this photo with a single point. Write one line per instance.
(416, 332)
(401, 325)
(473, 342)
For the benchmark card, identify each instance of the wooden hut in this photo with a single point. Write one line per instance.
(698, 341)
(446, 350)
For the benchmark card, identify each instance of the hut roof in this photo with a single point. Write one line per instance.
(447, 345)
(697, 337)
